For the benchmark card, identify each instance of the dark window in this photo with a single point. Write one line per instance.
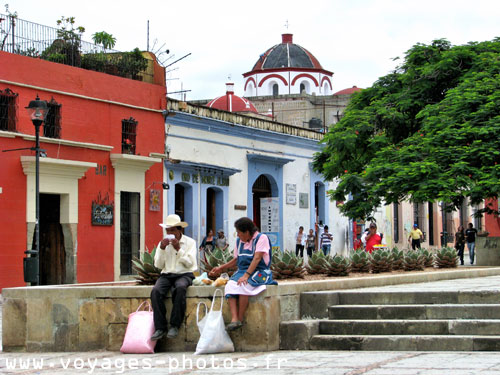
(130, 231)
(431, 223)
(302, 88)
(129, 128)
(395, 207)
(275, 89)
(52, 128)
(8, 110)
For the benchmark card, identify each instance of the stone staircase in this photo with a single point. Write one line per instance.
(396, 321)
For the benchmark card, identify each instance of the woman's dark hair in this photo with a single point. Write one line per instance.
(244, 224)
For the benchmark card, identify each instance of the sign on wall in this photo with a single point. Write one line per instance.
(154, 200)
(102, 211)
(303, 200)
(291, 194)
(270, 219)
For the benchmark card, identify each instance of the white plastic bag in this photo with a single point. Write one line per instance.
(213, 335)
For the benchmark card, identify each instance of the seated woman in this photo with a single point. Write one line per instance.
(252, 255)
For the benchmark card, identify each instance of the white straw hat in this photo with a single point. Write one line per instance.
(173, 221)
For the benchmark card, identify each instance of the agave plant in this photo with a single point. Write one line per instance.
(446, 257)
(215, 258)
(286, 264)
(381, 261)
(316, 263)
(337, 265)
(414, 260)
(147, 273)
(428, 257)
(360, 261)
(397, 259)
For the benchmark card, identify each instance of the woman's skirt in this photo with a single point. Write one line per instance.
(233, 289)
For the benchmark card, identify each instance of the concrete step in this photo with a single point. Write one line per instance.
(410, 327)
(405, 343)
(447, 311)
(315, 304)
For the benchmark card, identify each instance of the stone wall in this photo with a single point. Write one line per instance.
(487, 251)
(86, 317)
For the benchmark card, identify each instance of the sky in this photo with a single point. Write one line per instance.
(357, 40)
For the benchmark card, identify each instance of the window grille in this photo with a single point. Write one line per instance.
(8, 110)
(130, 230)
(129, 129)
(52, 128)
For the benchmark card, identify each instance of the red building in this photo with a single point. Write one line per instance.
(100, 174)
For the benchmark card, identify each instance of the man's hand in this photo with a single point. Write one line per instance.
(164, 243)
(175, 243)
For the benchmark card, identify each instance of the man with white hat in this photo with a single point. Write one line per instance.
(176, 257)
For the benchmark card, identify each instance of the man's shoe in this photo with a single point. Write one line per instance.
(159, 333)
(172, 332)
(234, 325)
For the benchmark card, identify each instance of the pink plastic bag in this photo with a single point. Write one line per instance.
(140, 328)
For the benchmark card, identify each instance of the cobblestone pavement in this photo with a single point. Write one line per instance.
(277, 362)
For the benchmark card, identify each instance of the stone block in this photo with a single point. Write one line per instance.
(115, 310)
(13, 323)
(66, 338)
(260, 331)
(92, 327)
(296, 335)
(65, 311)
(39, 324)
(315, 304)
(116, 333)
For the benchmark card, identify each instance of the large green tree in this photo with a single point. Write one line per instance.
(429, 131)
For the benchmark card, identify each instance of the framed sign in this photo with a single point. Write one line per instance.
(303, 200)
(102, 211)
(102, 214)
(154, 200)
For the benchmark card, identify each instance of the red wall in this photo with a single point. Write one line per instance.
(492, 222)
(82, 120)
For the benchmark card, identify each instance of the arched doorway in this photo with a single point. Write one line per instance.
(260, 189)
(319, 201)
(184, 205)
(215, 209)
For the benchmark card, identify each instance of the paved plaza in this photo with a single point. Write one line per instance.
(277, 362)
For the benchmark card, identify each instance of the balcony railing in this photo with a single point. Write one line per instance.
(34, 40)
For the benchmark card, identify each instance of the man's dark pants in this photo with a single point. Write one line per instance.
(179, 284)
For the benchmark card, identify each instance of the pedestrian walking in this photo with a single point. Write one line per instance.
(326, 241)
(415, 236)
(470, 235)
(460, 243)
(300, 242)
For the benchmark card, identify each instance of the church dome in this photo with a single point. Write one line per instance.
(287, 69)
(287, 55)
(231, 102)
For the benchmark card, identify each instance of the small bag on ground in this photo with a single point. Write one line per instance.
(140, 328)
(213, 335)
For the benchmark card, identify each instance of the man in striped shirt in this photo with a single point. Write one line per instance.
(326, 240)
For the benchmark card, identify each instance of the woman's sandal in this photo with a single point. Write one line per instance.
(234, 325)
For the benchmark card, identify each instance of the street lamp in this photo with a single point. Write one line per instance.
(37, 110)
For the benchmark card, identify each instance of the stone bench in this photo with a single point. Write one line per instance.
(86, 317)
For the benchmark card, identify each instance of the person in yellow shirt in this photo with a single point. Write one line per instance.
(415, 235)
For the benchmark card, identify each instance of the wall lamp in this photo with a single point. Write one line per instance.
(164, 185)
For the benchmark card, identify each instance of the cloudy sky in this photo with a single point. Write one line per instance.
(355, 39)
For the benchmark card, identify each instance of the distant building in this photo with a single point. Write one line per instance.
(289, 84)
(101, 174)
